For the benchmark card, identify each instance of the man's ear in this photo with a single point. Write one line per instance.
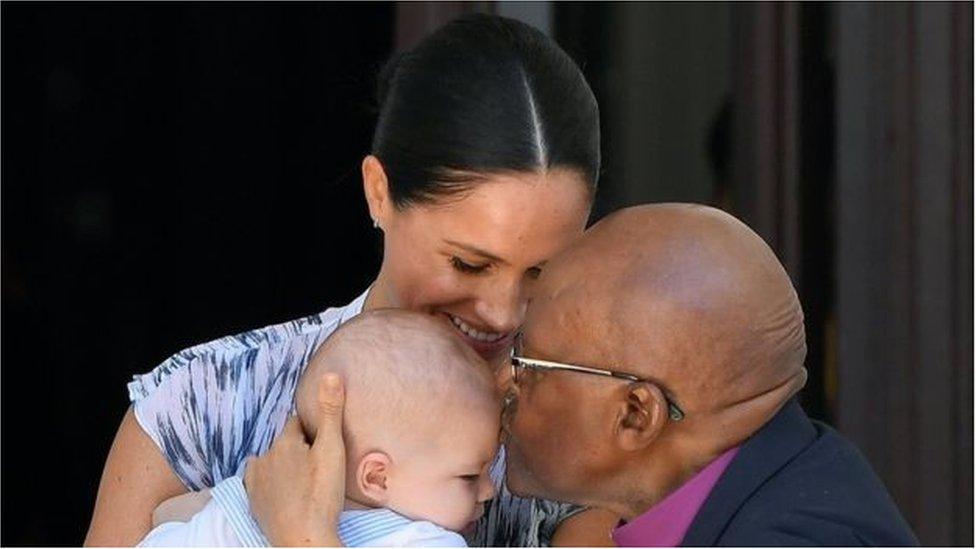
(642, 416)
(372, 475)
(376, 187)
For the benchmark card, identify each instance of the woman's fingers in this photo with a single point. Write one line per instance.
(297, 490)
(328, 450)
(331, 399)
(282, 489)
(292, 433)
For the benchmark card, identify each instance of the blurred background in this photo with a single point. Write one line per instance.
(172, 173)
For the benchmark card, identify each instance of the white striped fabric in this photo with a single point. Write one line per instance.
(360, 528)
(232, 499)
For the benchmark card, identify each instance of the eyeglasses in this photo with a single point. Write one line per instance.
(520, 363)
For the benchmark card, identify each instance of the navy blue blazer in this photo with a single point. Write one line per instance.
(798, 482)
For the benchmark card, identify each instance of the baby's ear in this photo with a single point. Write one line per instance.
(371, 476)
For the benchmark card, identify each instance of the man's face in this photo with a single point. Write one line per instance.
(558, 423)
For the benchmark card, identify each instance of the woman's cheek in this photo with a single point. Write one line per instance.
(440, 290)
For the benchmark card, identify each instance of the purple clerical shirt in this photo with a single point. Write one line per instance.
(666, 524)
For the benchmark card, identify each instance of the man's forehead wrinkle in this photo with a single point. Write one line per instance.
(567, 325)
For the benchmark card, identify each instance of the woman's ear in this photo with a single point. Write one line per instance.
(372, 475)
(377, 190)
(642, 416)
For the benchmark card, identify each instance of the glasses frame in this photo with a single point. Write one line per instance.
(675, 413)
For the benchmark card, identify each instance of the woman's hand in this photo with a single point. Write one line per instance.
(297, 491)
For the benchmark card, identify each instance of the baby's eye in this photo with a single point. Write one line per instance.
(468, 268)
(470, 478)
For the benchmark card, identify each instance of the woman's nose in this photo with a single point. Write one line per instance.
(503, 305)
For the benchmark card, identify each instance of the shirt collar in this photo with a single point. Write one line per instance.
(666, 523)
(355, 529)
(360, 527)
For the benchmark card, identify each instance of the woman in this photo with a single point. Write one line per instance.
(484, 163)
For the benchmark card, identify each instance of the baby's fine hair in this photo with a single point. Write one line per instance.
(404, 373)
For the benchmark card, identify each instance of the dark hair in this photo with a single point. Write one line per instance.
(483, 94)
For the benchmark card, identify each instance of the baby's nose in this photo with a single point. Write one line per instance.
(487, 489)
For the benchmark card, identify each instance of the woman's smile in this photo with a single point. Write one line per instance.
(487, 344)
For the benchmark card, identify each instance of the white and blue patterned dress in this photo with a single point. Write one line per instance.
(208, 408)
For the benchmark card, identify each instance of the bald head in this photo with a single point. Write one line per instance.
(686, 295)
(399, 369)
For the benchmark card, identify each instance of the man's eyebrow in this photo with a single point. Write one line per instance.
(476, 251)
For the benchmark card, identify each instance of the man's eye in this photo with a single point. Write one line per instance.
(534, 272)
(467, 267)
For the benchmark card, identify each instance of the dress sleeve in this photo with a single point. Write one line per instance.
(210, 407)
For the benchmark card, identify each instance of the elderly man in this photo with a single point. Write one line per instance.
(656, 378)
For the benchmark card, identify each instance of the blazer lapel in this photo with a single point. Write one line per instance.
(760, 457)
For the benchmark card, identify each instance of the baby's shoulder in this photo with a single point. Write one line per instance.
(420, 533)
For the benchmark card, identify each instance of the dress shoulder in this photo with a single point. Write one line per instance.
(211, 406)
(223, 350)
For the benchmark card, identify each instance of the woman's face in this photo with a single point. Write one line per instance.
(472, 258)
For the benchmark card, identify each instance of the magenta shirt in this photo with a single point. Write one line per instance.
(666, 524)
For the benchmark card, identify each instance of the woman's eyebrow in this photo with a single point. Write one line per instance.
(477, 251)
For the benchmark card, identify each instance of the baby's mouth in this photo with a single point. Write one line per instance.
(469, 529)
(474, 522)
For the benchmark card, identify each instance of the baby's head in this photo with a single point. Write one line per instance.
(421, 419)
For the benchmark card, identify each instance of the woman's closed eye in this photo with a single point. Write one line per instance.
(468, 268)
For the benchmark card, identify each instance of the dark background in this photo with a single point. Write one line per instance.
(173, 173)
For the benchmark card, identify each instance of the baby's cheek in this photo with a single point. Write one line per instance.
(458, 506)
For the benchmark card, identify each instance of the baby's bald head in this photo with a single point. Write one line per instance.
(402, 371)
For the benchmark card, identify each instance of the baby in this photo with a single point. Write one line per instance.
(421, 426)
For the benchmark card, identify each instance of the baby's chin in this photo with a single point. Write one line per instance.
(469, 529)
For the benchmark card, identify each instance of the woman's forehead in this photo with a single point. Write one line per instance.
(505, 197)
